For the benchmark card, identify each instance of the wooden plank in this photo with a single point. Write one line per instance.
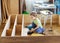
(8, 32)
(3, 11)
(7, 25)
(14, 6)
(12, 20)
(28, 20)
(18, 29)
(59, 20)
(31, 39)
(19, 19)
(5, 2)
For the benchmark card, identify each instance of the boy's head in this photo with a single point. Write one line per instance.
(33, 15)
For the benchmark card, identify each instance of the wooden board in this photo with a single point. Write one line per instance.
(13, 6)
(19, 19)
(59, 20)
(40, 39)
(8, 32)
(18, 29)
(12, 20)
(28, 20)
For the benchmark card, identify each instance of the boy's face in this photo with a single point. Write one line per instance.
(32, 17)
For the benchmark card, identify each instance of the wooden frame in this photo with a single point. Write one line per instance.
(23, 38)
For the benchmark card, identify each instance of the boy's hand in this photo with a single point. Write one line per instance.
(32, 30)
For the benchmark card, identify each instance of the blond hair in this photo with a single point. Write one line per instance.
(33, 13)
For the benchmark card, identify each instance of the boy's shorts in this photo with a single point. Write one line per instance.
(40, 30)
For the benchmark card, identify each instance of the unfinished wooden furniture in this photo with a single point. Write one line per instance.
(18, 22)
(19, 31)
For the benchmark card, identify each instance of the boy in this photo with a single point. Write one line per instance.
(36, 24)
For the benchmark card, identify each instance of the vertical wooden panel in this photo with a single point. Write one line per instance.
(18, 29)
(8, 5)
(20, 6)
(0, 12)
(19, 19)
(13, 6)
(59, 20)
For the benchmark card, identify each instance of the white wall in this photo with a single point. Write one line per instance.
(30, 2)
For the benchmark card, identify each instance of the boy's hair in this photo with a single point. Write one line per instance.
(33, 14)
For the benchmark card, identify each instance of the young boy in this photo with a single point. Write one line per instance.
(36, 24)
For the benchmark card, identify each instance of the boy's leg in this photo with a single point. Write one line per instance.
(29, 33)
(40, 30)
(31, 26)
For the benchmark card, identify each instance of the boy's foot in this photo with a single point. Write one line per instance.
(29, 33)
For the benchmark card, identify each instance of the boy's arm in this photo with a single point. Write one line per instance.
(37, 27)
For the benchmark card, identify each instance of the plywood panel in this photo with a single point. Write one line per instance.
(13, 6)
(28, 19)
(12, 20)
(55, 18)
(8, 32)
(40, 39)
(18, 29)
(19, 19)
(8, 6)
(59, 20)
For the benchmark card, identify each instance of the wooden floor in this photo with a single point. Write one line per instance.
(55, 28)
(55, 32)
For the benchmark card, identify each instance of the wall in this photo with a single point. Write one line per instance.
(57, 3)
(29, 4)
